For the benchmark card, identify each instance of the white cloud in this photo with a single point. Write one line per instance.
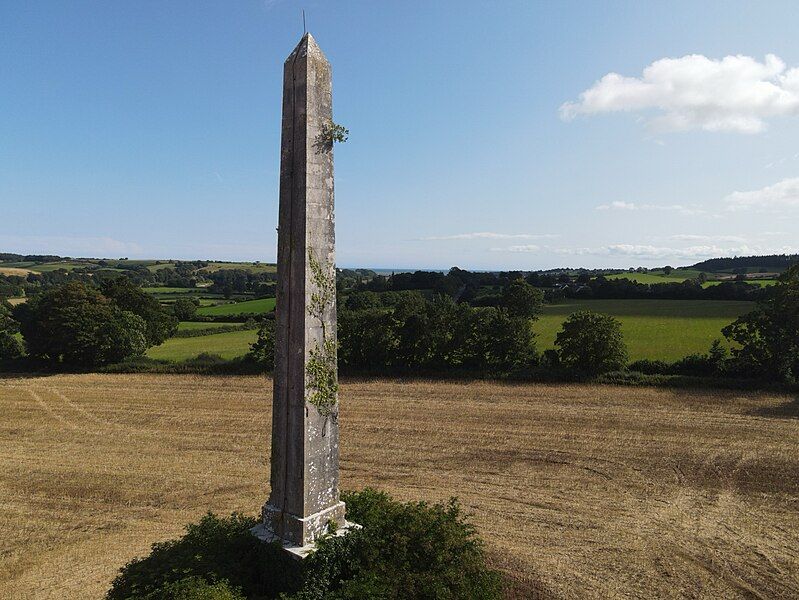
(644, 252)
(523, 248)
(736, 93)
(490, 235)
(772, 198)
(781, 161)
(685, 237)
(619, 205)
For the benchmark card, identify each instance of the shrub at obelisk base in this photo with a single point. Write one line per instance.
(410, 551)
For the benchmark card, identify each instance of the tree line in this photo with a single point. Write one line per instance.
(182, 274)
(405, 332)
(83, 325)
(776, 262)
(484, 288)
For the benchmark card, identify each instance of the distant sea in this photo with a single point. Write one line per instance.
(398, 270)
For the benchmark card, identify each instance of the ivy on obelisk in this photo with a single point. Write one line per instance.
(304, 500)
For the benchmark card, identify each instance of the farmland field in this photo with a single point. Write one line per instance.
(676, 276)
(579, 491)
(656, 329)
(14, 271)
(157, 267)
(261, 305)
(18, 264)
(251, 267)
(211, 301)
(680, 275)
(227, 345)
(55, 266)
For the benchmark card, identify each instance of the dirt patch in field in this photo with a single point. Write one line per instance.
(579, 491)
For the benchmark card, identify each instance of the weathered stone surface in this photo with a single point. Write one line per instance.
(304, 496)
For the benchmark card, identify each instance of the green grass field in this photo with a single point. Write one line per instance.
(156, 267)
(55, 266)
(227, 345)
(250, 267)
(17, 265)
(261, 305)
(656, 329)
(676, 276)
(211, 301)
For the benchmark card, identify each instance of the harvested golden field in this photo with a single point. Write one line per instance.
(15, 271)
(579, 491)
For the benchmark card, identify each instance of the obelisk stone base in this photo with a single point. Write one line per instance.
(295, 529)
(277, 526)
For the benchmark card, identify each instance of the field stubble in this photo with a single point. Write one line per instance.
(579, 491)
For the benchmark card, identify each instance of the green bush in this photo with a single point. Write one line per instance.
(649, 367)
(215, 549)
(409, 551)
(403, 551)
(190, 333)
(194, 588)
(714, 363)
(206, 359)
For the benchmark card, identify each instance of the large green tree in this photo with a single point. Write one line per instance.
(77, 325)
(184, 309)
(128, 296)
(522, 299)
(591, 343)
(768, 337)
(500, 342)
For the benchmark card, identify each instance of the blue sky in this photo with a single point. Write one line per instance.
(488, 135)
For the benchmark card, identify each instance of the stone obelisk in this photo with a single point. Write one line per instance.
(304, 500)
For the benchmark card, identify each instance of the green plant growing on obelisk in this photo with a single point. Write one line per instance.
(320, 369)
